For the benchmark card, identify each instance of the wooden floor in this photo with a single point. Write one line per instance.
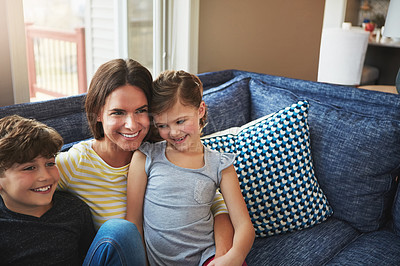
(383, 88)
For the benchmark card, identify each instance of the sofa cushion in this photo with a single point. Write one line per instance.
(375, 248)
(356, 157)
(275, 171)
(229, 98)
(311, 246)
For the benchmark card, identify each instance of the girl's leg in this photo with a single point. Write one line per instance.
(118, 242)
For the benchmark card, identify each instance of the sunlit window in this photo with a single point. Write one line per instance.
(67, 41)
(140, 32)
(55, 39)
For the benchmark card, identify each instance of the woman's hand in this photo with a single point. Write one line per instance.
(229, 259)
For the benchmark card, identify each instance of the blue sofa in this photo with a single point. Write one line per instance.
(318, 163)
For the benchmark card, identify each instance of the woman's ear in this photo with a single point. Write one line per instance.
(202, 109)
(99, 115)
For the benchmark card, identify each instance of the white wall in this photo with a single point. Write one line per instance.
(106, 32)
(6, 90)
(19, 65)
(334, 13)
(14, 85)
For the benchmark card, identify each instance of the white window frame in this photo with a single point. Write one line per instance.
(18, 60)
(176, 35)
(120, 34)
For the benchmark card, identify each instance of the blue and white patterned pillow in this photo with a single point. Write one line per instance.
(275, 170)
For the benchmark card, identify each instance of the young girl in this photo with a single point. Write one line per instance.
(171, 183)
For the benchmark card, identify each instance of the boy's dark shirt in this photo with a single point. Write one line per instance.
(61, 236)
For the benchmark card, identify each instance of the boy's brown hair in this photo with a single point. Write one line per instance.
(23, 139)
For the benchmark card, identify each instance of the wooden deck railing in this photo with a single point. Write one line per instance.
(56, 61)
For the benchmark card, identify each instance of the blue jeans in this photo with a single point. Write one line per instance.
(118, 242)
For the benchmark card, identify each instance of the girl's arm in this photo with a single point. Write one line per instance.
(136, 188)
(244, 231)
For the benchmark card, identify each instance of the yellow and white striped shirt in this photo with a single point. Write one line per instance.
(84, 173)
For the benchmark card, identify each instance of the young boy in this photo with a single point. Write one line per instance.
(38, 225)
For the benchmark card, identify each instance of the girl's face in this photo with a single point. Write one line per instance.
(180, 127)
(28, 188)
(125, 118)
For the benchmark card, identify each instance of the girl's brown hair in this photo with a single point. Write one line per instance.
(171, 86)
(108, 77)
(23, 139)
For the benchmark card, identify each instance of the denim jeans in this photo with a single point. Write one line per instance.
(118, 242)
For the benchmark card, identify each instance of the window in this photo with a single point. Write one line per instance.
(160, 34)
(140, 32)
(55, 41)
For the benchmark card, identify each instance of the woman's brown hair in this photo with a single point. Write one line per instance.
(108, 77)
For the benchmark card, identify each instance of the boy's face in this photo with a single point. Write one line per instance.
(28, 188)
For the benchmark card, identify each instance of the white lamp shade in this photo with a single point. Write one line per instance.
(392, 24)
(342, 55)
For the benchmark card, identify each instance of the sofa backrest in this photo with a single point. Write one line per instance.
(228, 105)
(66, 115)
(352, 99)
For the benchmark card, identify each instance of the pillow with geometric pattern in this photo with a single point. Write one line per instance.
(275, 170)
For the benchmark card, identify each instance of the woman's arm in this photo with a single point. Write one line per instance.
(243, 229)
(223, 228)
(136, 188)
(223, 234)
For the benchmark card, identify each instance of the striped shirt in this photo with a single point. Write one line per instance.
(84, 173)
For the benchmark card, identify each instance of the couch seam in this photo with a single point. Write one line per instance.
(344, 247)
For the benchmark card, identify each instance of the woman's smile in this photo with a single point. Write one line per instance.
(125, 118)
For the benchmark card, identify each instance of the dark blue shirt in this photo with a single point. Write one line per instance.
(61, 236)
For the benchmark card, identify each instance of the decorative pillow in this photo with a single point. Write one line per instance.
(275, 171)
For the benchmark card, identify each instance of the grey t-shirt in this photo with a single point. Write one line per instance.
(178, 224)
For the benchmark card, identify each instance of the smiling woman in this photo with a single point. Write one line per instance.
(125, 123)
(116, 108)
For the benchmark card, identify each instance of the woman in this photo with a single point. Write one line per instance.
(96, 170)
